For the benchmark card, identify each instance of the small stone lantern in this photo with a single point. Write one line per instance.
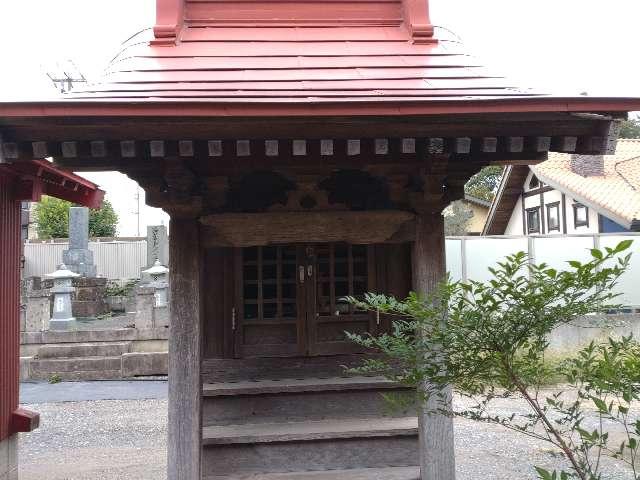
(62, 316)
(159, 282)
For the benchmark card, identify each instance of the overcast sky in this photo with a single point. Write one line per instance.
(563, 46)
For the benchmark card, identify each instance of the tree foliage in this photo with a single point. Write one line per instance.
(630, 128)
(484, 184)
(52, 219)
(492, 345)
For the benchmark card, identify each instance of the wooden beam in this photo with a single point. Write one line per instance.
(128, 148)
(381, 146)
(437, 452)
(326, 147)
(255, 229)
(271, 148)
(564, 144)
(185, 353)
(69, 149)
(98, 148)
(40, 149)
(353, 147)
(185, 148)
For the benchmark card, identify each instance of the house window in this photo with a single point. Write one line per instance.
(580, 215)
(534, 182)
(553, 217)
(533, 220)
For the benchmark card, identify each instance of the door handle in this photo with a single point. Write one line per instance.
(301, 273)
(309, 271)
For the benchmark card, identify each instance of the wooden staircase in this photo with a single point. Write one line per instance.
(310, 427)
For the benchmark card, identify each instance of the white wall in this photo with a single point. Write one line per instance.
(515, 224)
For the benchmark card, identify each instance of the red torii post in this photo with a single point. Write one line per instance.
(24, 181)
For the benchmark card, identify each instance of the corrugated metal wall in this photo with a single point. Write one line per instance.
(9, 302)
(114, 260)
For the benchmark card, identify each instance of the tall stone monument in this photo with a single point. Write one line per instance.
(88, 299)
(79, 259)
(157, 250)
(157, 245)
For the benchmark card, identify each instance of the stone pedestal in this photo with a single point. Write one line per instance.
(37, 311)
(147, 314)
(88, 301)
(35, 308)
(78, 258)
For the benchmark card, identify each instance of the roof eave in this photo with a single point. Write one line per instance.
(311, 107)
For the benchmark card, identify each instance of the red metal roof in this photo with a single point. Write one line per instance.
(304, 51)
(299, 57)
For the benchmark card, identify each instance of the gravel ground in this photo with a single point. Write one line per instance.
(126, 440)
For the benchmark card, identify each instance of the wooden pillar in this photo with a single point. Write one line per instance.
(185, 352)
(437, 455)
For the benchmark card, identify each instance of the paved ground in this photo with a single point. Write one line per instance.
(83, 436)
(42, 392)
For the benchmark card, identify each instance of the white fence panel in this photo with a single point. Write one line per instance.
(468, 258)
(114, 260)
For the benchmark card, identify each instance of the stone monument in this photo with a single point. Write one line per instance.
(79, 259)
(88, 298)
(157, 245)
(157, 250)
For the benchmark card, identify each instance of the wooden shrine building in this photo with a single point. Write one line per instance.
(305, 150)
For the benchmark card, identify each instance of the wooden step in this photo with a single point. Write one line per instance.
(290, 400)
(389, 473)
(310, 446)
(311, 430)
(291, 385)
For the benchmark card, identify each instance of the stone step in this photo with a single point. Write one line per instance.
(89, 349)
(310, 445)
(79, 376)
(287, 400)
(65, 365)
(388, 473)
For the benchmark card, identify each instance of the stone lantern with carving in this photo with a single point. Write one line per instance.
(62, 316)
(159, 275)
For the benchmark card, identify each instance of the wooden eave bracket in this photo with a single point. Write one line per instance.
(416, 15)
(23, 420)
(169, 22)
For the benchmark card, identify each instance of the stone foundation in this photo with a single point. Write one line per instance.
(9, 458)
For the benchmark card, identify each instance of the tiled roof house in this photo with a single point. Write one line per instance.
(570, 194)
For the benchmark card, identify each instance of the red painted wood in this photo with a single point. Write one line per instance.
(290, 62)
(24, 420)
(314, 107)
(309, 11)
(10, 246)
(39, 177)
(24, 180)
